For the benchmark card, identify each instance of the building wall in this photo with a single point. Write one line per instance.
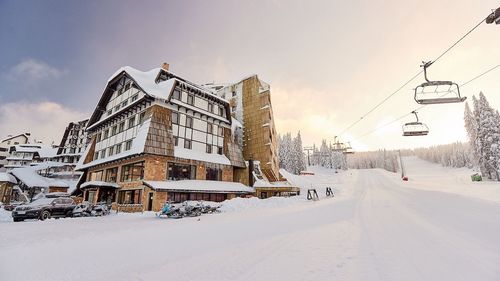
(260, 137)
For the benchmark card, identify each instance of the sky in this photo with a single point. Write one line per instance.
(328, 62)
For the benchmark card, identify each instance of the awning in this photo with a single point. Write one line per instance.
(99, 184)
(200, 186)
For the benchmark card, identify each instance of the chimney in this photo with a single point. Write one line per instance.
(165, 66)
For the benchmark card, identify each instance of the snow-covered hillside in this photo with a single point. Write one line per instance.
(377, 227)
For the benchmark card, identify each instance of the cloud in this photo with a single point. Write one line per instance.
(45, 121)
(33, 69)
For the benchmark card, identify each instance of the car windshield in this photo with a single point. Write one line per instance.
(41, 201)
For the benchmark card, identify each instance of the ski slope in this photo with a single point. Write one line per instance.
(375, 228)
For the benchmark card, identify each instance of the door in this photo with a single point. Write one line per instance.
(150, 201)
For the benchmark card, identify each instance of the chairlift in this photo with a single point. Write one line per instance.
(494, 17)
(437, 92)
(348, 149)
(415, 128)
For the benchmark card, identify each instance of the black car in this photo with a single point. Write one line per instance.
(45, 208)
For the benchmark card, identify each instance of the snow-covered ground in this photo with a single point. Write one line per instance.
(375, 228)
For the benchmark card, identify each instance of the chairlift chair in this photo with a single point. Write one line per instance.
(494, 17)
(416, 128)
(348, 149)
(437, 92)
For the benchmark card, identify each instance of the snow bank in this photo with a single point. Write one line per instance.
(241, 204)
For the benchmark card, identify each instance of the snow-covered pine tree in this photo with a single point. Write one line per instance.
(298, 154)
(488, 135)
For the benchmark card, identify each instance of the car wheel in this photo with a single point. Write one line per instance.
(45, 215)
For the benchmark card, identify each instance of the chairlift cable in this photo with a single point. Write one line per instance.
(420, 107)
(412, 78)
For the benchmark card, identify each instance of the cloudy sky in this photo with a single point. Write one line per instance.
(328, 62)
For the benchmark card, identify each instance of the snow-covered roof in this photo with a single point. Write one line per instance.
(147, 81)
(276, 184)
(30, 178)
(99, 183)
(4, 177)
(27, 148)
(138, 144)
(200, 186)
(47, 152)
(15, 136)
(48, 165)
(185, 153)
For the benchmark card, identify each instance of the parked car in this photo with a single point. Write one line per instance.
(12, 205)
(45, 208)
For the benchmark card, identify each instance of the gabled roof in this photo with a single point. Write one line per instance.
(150, 84)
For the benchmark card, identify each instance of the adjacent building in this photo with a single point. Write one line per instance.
(5, 145)
(23, 155)
(73, 143)
(250, 101)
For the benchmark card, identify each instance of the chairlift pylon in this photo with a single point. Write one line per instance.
(437, 92)
(416, 128)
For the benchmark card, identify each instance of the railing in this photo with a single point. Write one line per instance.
(127, 208)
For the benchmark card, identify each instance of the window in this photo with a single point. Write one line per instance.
(175, 118)
(187, 144)
(221, 111)
(141, 117)
(176, 95)
(181, 172)
(131, 122)
(209, 128)
(113, 130)
(98, 137)
(111, 174)
(118, 148)
(105, 134)
(124, 103)
(111, 151)
(189, 122)
(209, 148)
(127, 87)
(96, 176)
(128, 145)
(176, 141)
(121, 127)
(220, 131)
(134, 97)
(210, 107)
(133, 172)
(117, 108)
(214, 174)
(129, 196)
(190, 99)
(219, 150)
(96, 155)
(103, 153)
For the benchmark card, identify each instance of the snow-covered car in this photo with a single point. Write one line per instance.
(85, 209)
(12, 205)
(44, 208)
